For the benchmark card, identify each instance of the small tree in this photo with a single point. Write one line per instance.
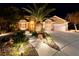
(73, 18)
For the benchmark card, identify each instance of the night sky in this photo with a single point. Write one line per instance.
(61, 8)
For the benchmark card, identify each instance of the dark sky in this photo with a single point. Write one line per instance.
(61, 8)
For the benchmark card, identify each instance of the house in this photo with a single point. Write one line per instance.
(54, 23)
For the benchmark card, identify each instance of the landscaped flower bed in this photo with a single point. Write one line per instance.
(18, 45)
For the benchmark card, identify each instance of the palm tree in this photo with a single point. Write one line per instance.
(39, 12)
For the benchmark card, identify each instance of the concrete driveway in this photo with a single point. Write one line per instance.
(68, 43)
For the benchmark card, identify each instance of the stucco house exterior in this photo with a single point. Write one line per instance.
(54, 23)
(59, 24)
(48, 25)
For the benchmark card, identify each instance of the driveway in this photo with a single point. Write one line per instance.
(68, 43)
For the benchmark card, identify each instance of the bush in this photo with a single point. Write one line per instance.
(20, 37)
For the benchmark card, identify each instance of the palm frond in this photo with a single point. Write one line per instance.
(42, 9)
(33, 10)
(45, 13)
(35, 6)
(39, 12)
(29, 11)
(48, 11)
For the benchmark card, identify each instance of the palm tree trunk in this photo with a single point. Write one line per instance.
(75, 27)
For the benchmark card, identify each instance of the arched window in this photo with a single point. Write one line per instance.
(23, 25)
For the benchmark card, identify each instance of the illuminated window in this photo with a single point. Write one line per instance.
(23, 24)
